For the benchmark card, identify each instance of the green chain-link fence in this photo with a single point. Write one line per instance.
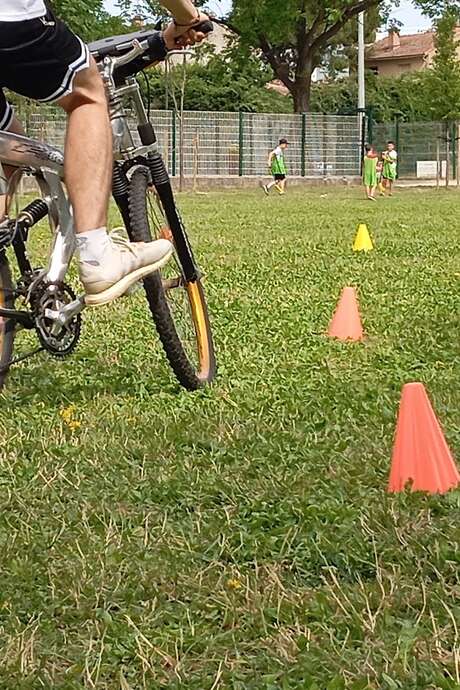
(237, 144)
(419, 146)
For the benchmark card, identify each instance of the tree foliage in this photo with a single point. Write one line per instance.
(444, 77)
(228, 82)
(88, 18)
(294, 35)
(406, 97)
(436, 9)
(341, 52)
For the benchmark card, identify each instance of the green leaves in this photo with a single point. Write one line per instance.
(444, 78)
(294, 36)
(228, 82)
(437, 8)
(88, 18)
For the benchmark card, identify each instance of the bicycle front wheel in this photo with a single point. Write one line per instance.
(6, 325)
(178, 307)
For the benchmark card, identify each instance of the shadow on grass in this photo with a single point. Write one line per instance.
(81, 377)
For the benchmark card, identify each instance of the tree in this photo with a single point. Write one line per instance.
(294, 35)
(341, 52)
(406, 97)
(444, 79)
(438, 8)
(226, 82)
(88, 18)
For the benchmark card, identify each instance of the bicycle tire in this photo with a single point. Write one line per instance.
(189, 376)
(6, 327)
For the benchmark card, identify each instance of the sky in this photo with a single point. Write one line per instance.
(411, 18)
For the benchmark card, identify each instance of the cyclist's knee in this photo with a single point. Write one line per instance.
(87, 89)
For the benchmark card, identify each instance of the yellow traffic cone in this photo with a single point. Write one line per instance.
(363, 242)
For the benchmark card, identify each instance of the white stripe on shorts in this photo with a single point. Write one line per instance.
(82, 62)
(7, 118)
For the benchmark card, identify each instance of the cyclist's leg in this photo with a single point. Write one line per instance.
(88, 150)
(46, 62)
(11, 125)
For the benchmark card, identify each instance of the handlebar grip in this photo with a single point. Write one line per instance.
(205, 27)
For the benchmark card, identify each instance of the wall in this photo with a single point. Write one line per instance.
(394, 68)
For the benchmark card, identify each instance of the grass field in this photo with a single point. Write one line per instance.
(241, 537)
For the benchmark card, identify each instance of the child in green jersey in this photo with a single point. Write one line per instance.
(277, 167)
(390, 166)
(370, 172)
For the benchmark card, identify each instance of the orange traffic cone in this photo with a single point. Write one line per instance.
(421, 454)
(346, 322)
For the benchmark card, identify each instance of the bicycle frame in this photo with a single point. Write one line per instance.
(46, 164)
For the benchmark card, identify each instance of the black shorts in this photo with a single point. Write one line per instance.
(278, 177)
(39, 58)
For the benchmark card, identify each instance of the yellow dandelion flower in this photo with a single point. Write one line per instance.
(233, 583)
(68, 412)
(67, 416)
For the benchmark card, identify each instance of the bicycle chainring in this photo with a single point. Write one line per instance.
(56, 339)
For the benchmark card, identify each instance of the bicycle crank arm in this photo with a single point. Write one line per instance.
(62, 317)
(23, 317)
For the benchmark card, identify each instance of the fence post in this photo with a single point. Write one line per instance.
(457, 148)
(438, 163)
(370, 124)
(241, 144)
(447, 138)
(453, 137)
(397, 142)
(173, 138)
(304, 144)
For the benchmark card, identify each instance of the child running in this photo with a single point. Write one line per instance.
(277, 167)
(390, 166)
(370, 172)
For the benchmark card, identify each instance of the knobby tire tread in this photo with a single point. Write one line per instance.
(7, 343)
(140, 232)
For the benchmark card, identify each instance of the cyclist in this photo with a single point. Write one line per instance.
(42, 59)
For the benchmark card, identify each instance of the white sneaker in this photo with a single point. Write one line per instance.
(265, 188)
(122, 264)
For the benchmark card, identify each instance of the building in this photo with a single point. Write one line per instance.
(397, 54)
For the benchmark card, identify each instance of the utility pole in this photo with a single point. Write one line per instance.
(361, 65)
(361, 83)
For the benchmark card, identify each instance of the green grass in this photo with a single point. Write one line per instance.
(241, 537)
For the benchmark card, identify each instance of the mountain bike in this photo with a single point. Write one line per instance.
(39, 299)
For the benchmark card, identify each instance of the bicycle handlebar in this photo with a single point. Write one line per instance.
(142, 50)
(205, 27)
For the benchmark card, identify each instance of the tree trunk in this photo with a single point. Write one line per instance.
(301, 93)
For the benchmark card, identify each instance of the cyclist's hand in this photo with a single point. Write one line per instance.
(177, 37)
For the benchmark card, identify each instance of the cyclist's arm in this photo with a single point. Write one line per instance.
(183, 11)
(186, 16)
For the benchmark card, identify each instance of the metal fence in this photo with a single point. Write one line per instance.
(419, 146)
(237, 144)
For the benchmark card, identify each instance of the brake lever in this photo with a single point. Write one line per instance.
(137, 50)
